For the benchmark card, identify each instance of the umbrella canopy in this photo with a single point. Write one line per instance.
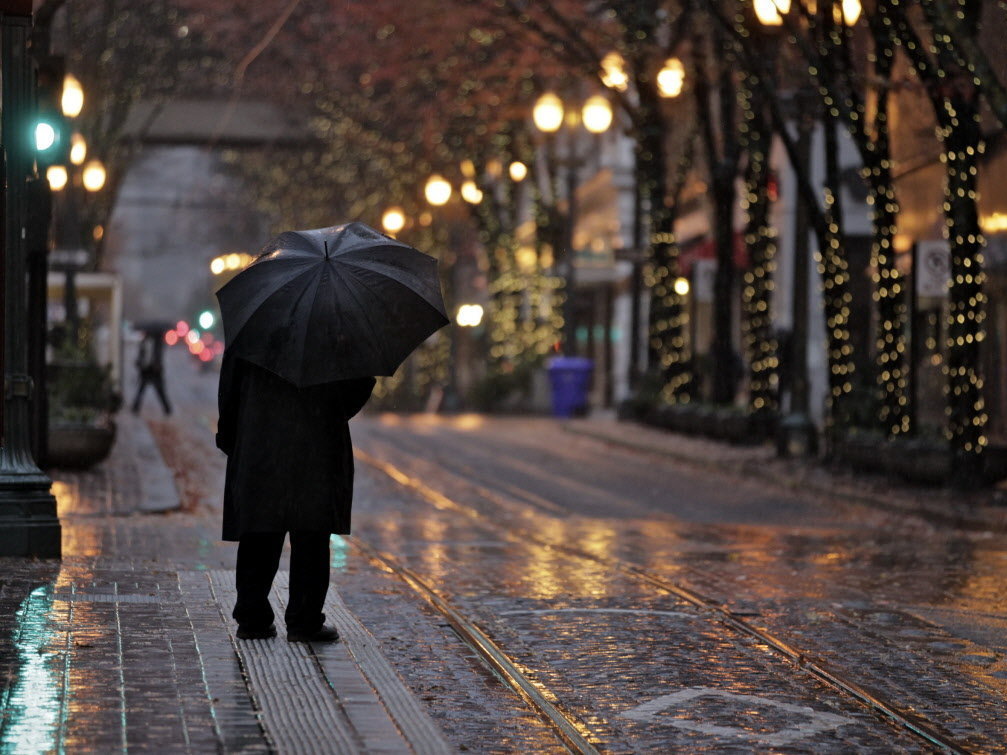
(331, 304)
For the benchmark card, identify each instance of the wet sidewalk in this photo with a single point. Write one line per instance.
(127, 643)
(983, 510)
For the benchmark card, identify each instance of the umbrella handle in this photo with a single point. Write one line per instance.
(326, 242)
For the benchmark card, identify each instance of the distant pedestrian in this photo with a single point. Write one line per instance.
(289, 469)
(150, 368)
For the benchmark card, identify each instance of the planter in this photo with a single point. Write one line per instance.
(78, 446)
(861, 451)
(717, 422)
(916, 460)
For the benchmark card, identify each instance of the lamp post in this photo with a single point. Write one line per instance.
(552, 117)
(29, 525)
(71, 246)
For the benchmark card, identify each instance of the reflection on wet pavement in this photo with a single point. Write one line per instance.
(32, 708)
(819, 572)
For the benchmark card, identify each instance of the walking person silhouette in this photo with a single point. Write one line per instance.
(150, 367)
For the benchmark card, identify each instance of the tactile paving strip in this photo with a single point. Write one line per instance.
(341, 698)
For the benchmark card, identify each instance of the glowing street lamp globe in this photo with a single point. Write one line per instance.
(471, 193)
(597, 114)
(78, 149)
(548, 113)
(437, 191)
(72, 99)
(671, 78)
(57, 177)
(93, 175)
(393, 220)
(614, 75)
(469, 315)
(769, 11)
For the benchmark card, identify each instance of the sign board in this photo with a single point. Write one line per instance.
(933, 268)
(703, 273)
(69, 257)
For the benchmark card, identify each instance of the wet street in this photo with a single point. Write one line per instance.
(579, 557)
(534, 586)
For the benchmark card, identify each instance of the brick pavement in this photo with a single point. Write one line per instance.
(126, 643)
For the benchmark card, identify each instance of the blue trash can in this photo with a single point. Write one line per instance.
(569, 378)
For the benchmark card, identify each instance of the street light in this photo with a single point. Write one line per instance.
(93, 176)
(769, 11)
(437, 190)
(393, 220)
(469, 315)
(78, 149)
(550, 115)
(613, 72)
(72, 101)
(471, 193)
(671, 78)
(597, 114)
(57, 177)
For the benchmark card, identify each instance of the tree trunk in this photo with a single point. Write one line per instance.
(760, 239)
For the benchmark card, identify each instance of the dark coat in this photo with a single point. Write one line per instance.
(289, 456)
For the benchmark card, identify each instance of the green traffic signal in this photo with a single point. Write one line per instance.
(46, 137)
(51, 140)
(50, 130)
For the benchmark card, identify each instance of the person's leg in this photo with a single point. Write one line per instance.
(309, 581)
(161, 394)
(139, 396)
(258, 560)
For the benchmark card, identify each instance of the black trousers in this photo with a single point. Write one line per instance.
(258, 560)
(161, 394)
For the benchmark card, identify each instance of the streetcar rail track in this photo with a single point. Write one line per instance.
(834, 678)
(573, 733)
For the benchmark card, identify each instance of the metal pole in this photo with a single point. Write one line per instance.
(29, 525)
(636, 279)
(570, 305)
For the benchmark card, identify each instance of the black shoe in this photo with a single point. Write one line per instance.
(322, 634)
(250, 633)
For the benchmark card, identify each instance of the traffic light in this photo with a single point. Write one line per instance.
(50, 129)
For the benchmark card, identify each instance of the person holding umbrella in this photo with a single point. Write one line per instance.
(150, 366)
(308, 326)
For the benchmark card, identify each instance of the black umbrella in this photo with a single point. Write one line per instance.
(331, 304)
